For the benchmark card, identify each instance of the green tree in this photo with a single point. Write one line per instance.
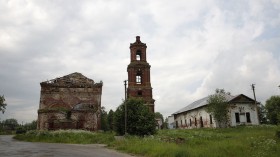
(262, 113)
(140, 121)
(218, 107)
(2, 104)
(30, 126)
(10, 124)
(158, 115)
(104, 125)
(165, 124)
(110, 120)
(273, 109)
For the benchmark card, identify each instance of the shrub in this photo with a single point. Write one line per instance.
(20, 131)
(277, 134)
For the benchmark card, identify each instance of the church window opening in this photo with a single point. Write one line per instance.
(139, 93)
(138, 79)
(138, 55)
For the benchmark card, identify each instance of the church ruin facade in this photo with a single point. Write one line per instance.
(70, 102)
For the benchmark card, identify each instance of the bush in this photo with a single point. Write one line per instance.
(277, 134)
(20, 130)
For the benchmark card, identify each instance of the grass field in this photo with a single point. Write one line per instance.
(255, 141)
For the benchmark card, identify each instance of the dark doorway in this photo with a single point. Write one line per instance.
(201, 122)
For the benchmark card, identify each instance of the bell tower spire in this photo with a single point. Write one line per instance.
(139, 82)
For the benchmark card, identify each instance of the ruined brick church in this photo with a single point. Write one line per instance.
(70, 102)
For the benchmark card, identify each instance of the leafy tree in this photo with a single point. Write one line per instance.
(1, 127)
(262, 113)
(165, 124)
(10, 124)
(119, 120)
(140, 121)
(2, 104)
(273, 109)
(21, 129)
(104, 125)
(159, 116)
(31, 126)
(110, 120)
(218, 107)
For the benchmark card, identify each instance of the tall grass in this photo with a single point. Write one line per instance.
(66, 136)
(255, 141)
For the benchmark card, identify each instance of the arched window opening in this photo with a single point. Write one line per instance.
(138, 79)
(138, 55)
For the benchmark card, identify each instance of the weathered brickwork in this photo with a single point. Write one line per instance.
(70, 102)
(139, 82)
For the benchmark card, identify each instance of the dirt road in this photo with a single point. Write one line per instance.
(13, 148)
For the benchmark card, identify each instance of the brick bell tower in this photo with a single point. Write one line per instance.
(139, 82)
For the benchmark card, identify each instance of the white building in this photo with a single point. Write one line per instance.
(159, 123)
(242, 110)
(170, 122)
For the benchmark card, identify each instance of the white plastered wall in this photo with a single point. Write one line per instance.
(183, 119)
(242, 109)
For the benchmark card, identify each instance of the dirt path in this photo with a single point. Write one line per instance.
(13, 148)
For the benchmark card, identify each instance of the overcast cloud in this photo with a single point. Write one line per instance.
(194, 47)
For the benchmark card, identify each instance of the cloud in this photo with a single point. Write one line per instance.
(194, 47)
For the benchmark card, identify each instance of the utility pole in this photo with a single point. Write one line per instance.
(253, 88)
(125, 110)
(125, 95)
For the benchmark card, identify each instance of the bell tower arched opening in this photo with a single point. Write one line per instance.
(138, 55)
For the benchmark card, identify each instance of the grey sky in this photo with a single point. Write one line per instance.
(194, 47)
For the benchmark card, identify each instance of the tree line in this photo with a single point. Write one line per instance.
(10, 126)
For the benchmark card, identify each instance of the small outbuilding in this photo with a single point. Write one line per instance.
(242, 110)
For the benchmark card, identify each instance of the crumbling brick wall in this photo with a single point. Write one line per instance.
(70, 102)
